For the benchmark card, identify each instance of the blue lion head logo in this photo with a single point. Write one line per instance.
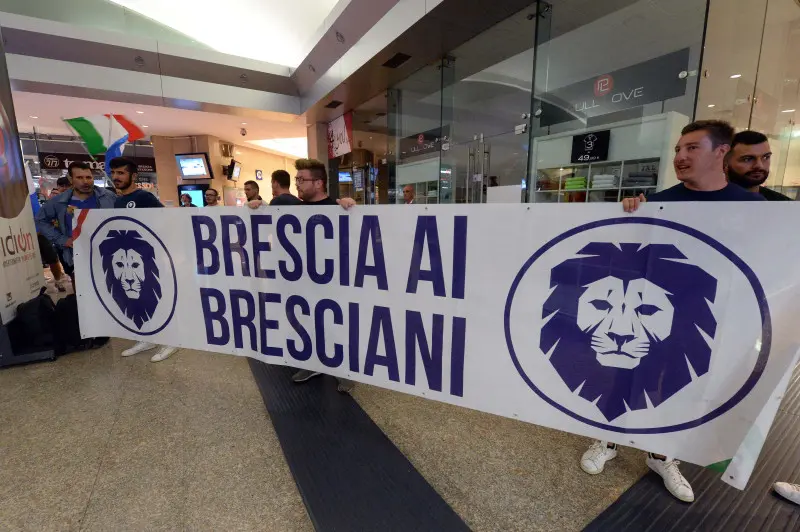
(131, 274)
(628, 326)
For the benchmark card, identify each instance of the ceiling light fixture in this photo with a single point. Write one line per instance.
(145, 126)
(34, 117)
(244, 123)
(788, 111)
(735, 76)
(711, 105)
(139, 112)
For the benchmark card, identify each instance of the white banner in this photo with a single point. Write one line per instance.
(667, 330)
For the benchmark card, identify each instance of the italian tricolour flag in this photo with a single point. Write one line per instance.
(105, 134)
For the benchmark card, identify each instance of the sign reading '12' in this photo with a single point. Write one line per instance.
(590, 147)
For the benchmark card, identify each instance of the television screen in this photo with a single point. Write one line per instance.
(194, 166)
(234, 170)
(345, 177)
(196, 194)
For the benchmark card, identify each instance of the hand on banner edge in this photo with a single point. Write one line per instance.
(255, 204)
(346, 203)
(632, 204)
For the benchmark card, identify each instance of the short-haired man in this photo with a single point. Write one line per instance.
(123, 174)
(212, 197)
(408, 194)
(748, 164)
(699, 164)
(251, 191)
(312, 187)
(54, 219)
(281, 195)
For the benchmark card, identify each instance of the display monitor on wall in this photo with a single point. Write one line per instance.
(345, 177)
(195, 192)
(194, 166)
(234, 170)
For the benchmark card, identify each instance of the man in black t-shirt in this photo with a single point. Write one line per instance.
(748, 164)
(123, 174)
(281, 195)
(699, 164)
(312, 187)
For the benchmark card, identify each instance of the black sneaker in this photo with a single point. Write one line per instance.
(303, 375)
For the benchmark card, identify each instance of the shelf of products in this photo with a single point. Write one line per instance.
(596, 182)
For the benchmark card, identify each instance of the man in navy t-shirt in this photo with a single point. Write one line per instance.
(699, 164)
(700, 167)
(123, 174)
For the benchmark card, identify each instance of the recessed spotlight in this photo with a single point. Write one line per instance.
(139, 112)
(735, 76)
(244, 123)
(34, 117)
(238, 153)
(145, 126)
(788, 111)
(711, 105)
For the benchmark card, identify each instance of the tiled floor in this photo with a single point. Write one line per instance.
(497, 473)
(97, 442)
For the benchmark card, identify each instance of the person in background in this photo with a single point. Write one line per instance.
(281, 195)
(408, 194)
(123, 174)
(47, 251)
(212, 198)
(251, 191)
(186, 201)
(312, 187)
(54, 219)
(62, 185)
(748, 164)
(699, 161)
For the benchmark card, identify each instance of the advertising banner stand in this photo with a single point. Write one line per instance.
(21, 276)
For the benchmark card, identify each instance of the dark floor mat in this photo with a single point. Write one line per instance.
(647, 506)
(350, 475)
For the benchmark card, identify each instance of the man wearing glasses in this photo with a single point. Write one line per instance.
(312, 188)
(212, 198)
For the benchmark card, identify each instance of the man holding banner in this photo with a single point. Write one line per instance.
(312, 187)
(699, 164)
(123, 174)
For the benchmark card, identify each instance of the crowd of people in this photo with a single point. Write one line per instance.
(711, 161)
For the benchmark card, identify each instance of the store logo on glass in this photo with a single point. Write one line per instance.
(618, 324)
(133, 275)
(603, 85)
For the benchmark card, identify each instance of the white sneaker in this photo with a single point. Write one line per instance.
(788, 491)
(674, 481)
(164, 353)
(137, 348)
(594, 460)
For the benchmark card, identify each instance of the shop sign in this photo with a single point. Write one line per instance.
(430, 141)
(590, 147)
(340, 136)
(61, 161)
(652, 81)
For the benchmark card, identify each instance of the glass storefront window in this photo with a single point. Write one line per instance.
(569, 101)
(613, 87)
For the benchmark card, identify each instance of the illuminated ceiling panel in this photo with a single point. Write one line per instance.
(275, 31)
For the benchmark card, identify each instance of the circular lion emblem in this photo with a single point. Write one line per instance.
(133, 275)
(619, 325)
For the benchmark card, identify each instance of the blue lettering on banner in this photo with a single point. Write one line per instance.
(260, 246)
(250, 320)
